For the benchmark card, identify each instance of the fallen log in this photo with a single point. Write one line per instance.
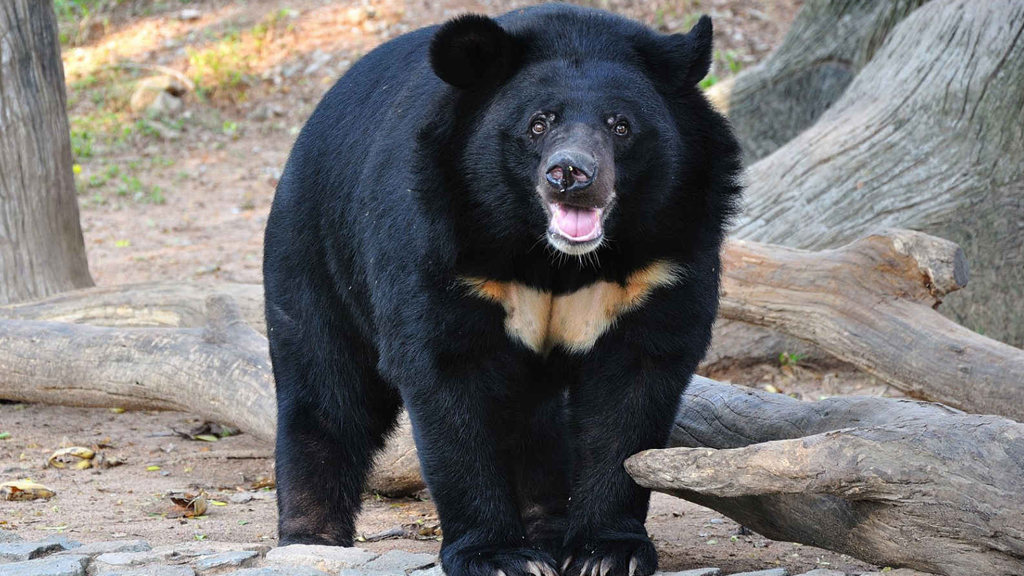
(891, 482)
(155, 304)
(220, 371)
(211, 363)
(173, 368)
(869, 303)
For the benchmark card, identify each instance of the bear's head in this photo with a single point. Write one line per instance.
(585, 129)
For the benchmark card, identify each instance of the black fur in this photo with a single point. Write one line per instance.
(400, 184)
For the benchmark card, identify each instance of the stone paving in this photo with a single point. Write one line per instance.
(59, 556)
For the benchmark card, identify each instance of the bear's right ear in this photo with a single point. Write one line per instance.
(472, 51)
(683, 59)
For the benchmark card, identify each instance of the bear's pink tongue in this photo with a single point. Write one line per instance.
(576, 223)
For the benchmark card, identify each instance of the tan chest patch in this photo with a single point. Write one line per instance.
(574, 321)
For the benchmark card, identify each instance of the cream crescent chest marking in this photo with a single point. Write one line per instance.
(574, 321)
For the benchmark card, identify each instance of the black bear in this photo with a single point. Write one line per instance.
(511, 227)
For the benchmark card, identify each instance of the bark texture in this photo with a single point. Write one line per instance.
(826, 46)
(156, 304)
(186, 347)
(870, 303)
(220, 371)
(891, 482)
(41, 247)
(929, 136)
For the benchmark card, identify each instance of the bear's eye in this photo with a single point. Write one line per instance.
(621, 128)
(538, 127)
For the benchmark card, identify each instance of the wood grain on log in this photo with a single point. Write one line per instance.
(825, 47)
(928, 136)
(892, 482)
(870, 304)
(220, 371)
(157, 304)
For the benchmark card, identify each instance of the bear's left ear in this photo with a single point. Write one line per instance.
(472, 51)
(687, 56)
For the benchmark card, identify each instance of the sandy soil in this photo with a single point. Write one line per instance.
(187, 198)
(130, 501)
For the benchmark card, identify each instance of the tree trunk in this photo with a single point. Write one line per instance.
(891, 482)
(825, 47)
(41, 246)
(928, 136)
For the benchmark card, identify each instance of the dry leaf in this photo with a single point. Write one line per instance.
(76, 457)
(192, 504)
(24, 490)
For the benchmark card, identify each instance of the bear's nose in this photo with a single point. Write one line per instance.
(571, 170)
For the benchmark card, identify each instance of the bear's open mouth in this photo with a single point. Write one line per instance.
(575, 229)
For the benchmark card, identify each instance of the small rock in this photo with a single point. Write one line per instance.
(63, 542)
(435, 571)
(328, 558)
(292, 70)
(158, 96)
(399, 562)
(278, 571)
(217, 563)
(23, 551)
(111, 546)
(355, 15)
(155, 571)
(319, 59)
(900, 572)
(164, 105)
(190, 14)
(117, 560)
(197, 549)
(164, 83)
(696, 572)
(91, 29)
(772, 572)
(265, 112)
(823, 572)
(53, 566)
(240, 498)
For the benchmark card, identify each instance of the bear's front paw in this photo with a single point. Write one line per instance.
(497, 560)
(622, 556)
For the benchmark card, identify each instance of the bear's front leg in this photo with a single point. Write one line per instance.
(621, 406)
(460, 420)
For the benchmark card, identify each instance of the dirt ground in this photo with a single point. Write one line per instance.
(185, 197)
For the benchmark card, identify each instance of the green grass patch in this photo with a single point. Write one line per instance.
(76, 9)
(82, 142)
(224, 69)
(708, 81)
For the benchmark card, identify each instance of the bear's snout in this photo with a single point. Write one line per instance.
(570, 170)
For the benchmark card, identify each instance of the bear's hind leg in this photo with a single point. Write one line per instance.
(333, 416)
